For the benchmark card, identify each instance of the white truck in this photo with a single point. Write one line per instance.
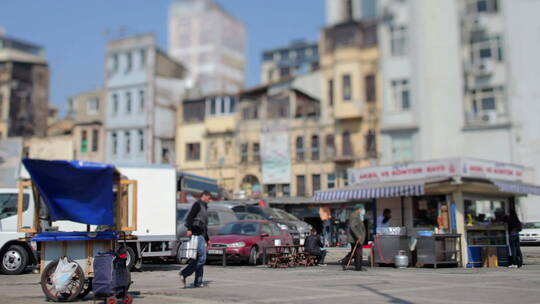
(16, 251)
(155, 236)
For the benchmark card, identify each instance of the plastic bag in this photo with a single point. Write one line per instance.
(63, 274)
(188, 249)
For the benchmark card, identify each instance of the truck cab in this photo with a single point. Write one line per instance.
(15, 251)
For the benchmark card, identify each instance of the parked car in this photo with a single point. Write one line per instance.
(303, 228)
(236, 206)
(218, 216)
(530, 234)
(249, 216)
(244, 241)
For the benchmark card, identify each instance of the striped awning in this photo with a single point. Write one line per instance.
(372, 191)
(517, 187)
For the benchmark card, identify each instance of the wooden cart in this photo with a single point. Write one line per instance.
(79, 246)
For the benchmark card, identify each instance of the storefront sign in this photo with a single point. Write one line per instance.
(433, 169)
(275, 156)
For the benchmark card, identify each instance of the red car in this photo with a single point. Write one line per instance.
(244, 240)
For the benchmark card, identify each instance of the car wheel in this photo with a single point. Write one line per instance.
(253, 256)
(14, 260)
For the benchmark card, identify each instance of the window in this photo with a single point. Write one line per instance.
(115, 104)
(194, 111)
(127, 136)
(331, 180)
(314, 147)
(331, 92)
(141, 101)
(142, 55)
(315, 182)
(371, 144)
(275, 230)
(402, 148)
(250, 112)
(483, 6)
(271, 190)
(128, 102)
(115, 62)
(129, 62)
(141, 140)
(222, 105)
(8, 204)
(401, 95)
(484, 210)
(330, 146)
(232, 104)
(284, 72)
(286, 190)
(244, 153)
(300, 185)
(370, 88)
(398, 40)
(266, 229)
(213, 218)
(95, 140)
(213, 106)
(278, 107)
(486, 48)
(300, 148)
(487, 100)
(256, 152)
(426, 209)
(93, 105)
(84, 141)
(347, 90)
(349, 9)
(193, 151)
(346, 144)
(114, 143)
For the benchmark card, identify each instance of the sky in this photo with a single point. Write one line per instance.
(74, 33)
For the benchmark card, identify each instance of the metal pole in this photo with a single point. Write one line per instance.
(224, 257)
(264, 256)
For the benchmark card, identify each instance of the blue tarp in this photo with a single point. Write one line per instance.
(75, 191)
(74, 236)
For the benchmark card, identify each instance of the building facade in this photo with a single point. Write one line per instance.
(205, 138)
(24, 89)
(295, 59)
(88, 112)
(210, 43)
(142, 89)
(455, 81)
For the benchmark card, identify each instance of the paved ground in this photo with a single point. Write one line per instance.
(243, 284)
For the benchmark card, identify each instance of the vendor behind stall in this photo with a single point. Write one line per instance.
(384, 219)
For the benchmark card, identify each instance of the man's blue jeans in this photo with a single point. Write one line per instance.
(197, 265)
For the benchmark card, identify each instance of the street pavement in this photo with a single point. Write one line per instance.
(160, 283)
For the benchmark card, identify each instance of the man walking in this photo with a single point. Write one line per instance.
(313, 246)
(356, 237)
(197, 226)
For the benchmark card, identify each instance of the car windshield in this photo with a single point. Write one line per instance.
(532, 225)
(240, 228)
(273, 213)
(286, 216)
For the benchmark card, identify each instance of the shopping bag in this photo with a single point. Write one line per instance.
(188, 249)
(63, 273)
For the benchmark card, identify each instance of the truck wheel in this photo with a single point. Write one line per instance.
(131, 257)
(14, 260)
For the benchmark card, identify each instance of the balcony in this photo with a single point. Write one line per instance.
(220, 124)
(349, 34)
(483, 119)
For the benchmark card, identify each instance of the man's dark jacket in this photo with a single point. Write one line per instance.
(197, 219)
(313, 244)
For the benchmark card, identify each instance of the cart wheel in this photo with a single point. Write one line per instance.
(111, 300)
(74, 287)
(87, 287)
(128, 299)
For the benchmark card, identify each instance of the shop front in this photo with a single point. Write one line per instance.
(441, 212)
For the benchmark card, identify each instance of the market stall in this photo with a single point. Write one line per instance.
(448, 211)
(73, 263)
